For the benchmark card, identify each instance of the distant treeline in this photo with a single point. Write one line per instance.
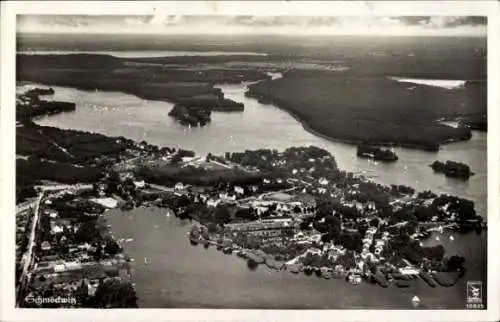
(428, 57)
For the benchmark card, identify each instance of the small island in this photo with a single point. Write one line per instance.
(191, 115)
(452, 169)
(376, 153)
(196, 111)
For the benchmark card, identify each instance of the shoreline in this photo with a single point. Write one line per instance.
(310, 130)
(264, 101)
(256, 257)
(295, 267)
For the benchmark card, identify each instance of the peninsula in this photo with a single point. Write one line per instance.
(371, 110)
(30, 104)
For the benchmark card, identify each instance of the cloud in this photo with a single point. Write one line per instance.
(452, 22)
(444, 21)
(163, 22)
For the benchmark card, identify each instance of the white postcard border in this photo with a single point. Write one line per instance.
(321, 8)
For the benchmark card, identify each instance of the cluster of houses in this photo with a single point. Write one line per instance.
(282, 221)
(65, 271)
(304, 237)
(379, 244)
(281, 204)
(335, 252)
(214, 200)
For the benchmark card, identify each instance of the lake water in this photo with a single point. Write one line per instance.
(265, 126)
(181, 275)
(143, 53)
(443, 83)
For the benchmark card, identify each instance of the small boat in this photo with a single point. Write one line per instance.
(415, 300)
(146, 261)
(437, 238)
(452, 238)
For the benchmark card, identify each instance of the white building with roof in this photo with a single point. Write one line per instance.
(139, 184)
(409, 271)
(239, 190)
(45, 245)
(227, 197)
(56, 229)
(213, 202)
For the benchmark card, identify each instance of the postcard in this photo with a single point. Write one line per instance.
(227, 160)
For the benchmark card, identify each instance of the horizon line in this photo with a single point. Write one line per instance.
(18, 33)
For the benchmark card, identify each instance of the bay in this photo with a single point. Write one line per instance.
(181, 275)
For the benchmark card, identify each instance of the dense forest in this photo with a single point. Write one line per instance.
(373, 110)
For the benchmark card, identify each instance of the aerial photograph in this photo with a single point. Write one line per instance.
(251, 162)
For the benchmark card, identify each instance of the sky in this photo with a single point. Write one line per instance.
(281, 25)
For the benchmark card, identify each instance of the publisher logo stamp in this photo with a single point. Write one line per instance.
(475, 295)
